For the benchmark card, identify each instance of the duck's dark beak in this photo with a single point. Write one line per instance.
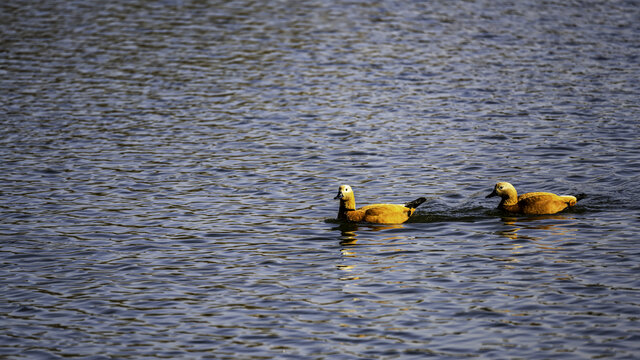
(339, 196)
(493, 193)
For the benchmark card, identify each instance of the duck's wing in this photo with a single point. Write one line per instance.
(541, 203)
(535, 195)
(386, 213)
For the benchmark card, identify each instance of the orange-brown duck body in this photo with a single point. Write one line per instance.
(534, 203)
(375, 213)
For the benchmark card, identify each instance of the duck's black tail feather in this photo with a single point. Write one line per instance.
(415, 203)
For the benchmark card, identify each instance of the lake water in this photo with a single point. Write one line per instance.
(169, 168)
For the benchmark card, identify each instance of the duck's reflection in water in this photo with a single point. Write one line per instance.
(539, 226)
(349, 239)
(349, 231)
(546, 233)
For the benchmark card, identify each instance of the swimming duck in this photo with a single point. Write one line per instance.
(534, 203)
(376, 213)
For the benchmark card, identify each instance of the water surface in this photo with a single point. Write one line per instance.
(169, 169)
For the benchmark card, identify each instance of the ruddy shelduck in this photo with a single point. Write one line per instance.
(376, 213)
(534, 203)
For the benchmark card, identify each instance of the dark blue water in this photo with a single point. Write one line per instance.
(169, 168)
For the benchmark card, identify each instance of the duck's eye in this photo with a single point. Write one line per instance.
(501, 187)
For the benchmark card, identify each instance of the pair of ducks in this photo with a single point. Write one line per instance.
(535, 203)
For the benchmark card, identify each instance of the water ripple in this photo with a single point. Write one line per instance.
(169, 169)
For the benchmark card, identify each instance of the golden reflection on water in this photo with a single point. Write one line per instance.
(561, 231)
(349, 239)
(538, 231)
(349, 232)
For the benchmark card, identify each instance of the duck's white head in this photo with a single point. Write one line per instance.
(344, 193)
(502, 189)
